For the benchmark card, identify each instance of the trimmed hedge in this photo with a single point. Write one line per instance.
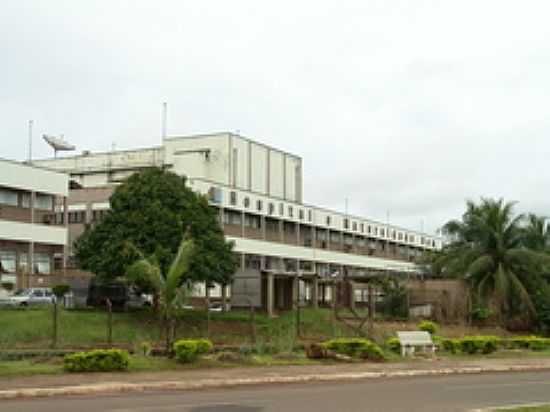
(535, 343)
(188, 350)
(356, 348)
(100, 360)
(479, 344)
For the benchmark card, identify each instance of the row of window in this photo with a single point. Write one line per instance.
(79, 216)
(9, 263)
(347, 223)
(15, 198)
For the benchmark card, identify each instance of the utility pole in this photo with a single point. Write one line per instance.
(164, 119)
(30, 141)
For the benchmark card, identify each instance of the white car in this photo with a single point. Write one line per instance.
(29, 297)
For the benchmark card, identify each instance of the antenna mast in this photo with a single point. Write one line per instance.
(30, 141)
(164, 119)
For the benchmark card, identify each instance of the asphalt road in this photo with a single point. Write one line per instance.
(440, 393)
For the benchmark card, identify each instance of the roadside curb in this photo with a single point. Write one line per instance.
(511, 407)
(121, 387)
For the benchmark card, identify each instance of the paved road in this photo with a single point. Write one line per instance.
(426, 394)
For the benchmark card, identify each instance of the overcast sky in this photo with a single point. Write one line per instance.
(406, 106)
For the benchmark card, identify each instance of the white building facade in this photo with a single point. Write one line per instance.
(282, 241)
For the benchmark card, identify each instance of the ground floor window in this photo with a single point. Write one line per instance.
(7, 261)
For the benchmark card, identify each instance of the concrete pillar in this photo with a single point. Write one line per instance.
(66, 224)
(270, 290)
(315, 292)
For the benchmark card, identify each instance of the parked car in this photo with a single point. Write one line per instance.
(119, 293)
(29, 297)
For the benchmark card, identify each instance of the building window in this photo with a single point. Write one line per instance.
(77, 217)
(252, 221)
(252, 262)
(7, 261)
(346, 223)
(246, 202)
(271, 209)
(354, 226)
(44, 202)
(8, 197)
(215, 195)
(382, 232)
(233, 198)
(362, 228)
(328, 220)
(335, 237)
(309, 216)
(290, 211)
(259, 205)
(301, 214)
(42, 263)
(281, 209)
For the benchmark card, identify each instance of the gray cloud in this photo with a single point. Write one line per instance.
(410, 107)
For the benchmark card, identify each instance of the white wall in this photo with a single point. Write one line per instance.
(20, 176)
(26, 232)
(186, 156)
(259, 168)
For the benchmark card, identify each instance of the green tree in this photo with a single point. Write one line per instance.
(167, 286)
(487, 249)
(149, 214)
(536, 234)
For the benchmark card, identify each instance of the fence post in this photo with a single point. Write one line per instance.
(109, 322)
(54, 337)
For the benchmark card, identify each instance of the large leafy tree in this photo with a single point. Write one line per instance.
(150, 212)
(488, 249)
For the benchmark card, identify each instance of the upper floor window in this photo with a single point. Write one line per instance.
(382, 232)
(233, 198)
(44, 202)
(290, 211)
(346, 223)
(8, 197)
(259, 205)
(309, 215)
(362, 228)
(281, 209)
(7, 261)
(354, 226)
(271, 209)
(246, 202)
(301, 214)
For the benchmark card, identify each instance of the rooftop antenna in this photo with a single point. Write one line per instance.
(164, 119)
(58, 144)
(30, 141)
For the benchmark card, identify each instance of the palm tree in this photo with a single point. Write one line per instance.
(488, 250)
(536, 233)
(169, 291)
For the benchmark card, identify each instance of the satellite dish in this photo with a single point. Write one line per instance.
(58, 144)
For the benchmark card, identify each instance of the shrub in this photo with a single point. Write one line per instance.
(101, 360)
(479, 344)
(355, 347)
(450, 345)
(428, 326)
(528, 342)
(204, 346)
(393, 345)
(189, 349)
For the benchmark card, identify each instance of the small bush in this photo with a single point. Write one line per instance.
(204, 346)
(101, 360)
(428, 326)
(189, 349)
(393, 345)
(356, 348)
